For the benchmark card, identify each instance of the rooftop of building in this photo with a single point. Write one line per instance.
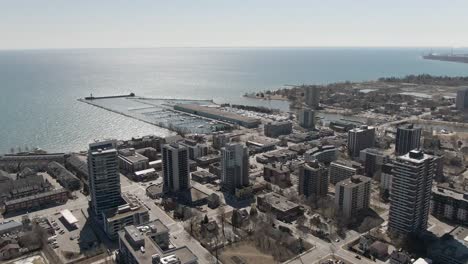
(279, 153)
(144, 172)
(313, 165)
(320, 149)
(361, 129)
(174, 146)
(263, 141)
(278, 202)
(145, 253)
(129, 207)
(208, 157)
(279, 123)
(374, 151)
(103, 146)
(414, 156)
(204, 174)
(155, 189)
(36, 196)
(279, 167)
(408, 127)
(346, 163)
(32, 155)
(132, 156)
(354, 181)
(450, 192)
(122, 211)
(9, 225)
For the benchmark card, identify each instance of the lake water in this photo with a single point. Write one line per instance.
(40, 88)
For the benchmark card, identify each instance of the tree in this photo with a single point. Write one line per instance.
(33, 239)
(301, 220)
(222, 217)
(253, 210)
(206, 220)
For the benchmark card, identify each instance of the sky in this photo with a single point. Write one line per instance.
(49, 24)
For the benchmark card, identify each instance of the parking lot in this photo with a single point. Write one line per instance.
(70, 241)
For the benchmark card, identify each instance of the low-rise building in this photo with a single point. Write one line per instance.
(155, 191)
(67, 179)
(203, 176)
(23, 184)
(276, 129)
(341, 126)
(277, 174)
(281, 156)
(10, 227)
(205, 161)
(280, 206)
(450, 204)
(261, 144)
(9, 249)
(130, 213)
(298, 137)
(156, 164)
(145, 175)
(131, 161)
(35, 161)
(325, 154)
(149, 243)
(149, 141)
(32, 202)
(399, 257)
(151, 153)
(78, 163)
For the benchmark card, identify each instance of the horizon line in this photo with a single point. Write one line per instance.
(235, 47)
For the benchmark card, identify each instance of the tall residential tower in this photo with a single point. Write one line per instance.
(359, 139)
(104, 177)
(407, 138)
(462, 99)
(234, 167)
(175, 168)
(312, 96)
(411, 192)
(313, 180)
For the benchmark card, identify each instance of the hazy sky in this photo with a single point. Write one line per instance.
(194, 23)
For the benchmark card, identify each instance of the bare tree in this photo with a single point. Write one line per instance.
(222, 217)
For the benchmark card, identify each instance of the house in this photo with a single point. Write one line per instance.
(9, 251)
(399, 257)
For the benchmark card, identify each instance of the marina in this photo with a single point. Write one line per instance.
(160, 112)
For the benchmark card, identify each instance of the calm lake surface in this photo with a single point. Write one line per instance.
(39, 88)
